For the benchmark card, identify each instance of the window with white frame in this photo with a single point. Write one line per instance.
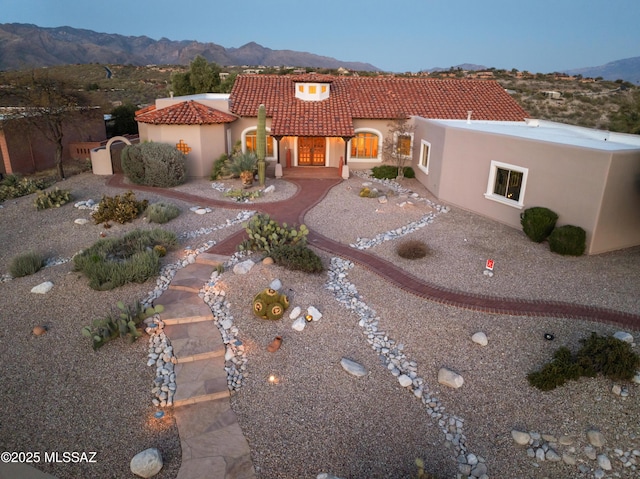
(507, 184)
(425, 151)
(365, 146)
(250, 143)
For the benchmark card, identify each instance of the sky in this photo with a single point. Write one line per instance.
(540, 36)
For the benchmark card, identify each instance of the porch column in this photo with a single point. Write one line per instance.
(346, 146)
(277, 146)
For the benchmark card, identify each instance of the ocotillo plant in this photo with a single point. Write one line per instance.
(261, 143)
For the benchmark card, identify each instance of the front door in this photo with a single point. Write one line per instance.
(311, 151)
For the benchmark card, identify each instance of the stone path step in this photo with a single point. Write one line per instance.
(183, 307)
(191, 278)
(195, 339)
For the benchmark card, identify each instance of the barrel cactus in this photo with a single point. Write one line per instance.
(270, 304)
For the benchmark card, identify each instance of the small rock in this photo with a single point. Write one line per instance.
(267, 261)
(604, 462)
(299, 323)
(616, 389)
(201, 211)
(405, 381)
(42, 288)
(569, 459)
(295, 312)
(352, 367)
(146, 463)
(450, 378)
(480, 338)
(590, 452)
(520, 437)
(39, 330)
(552, 455)
(623, 336)
(325, 475)
(382, 199)
(596, 438)
(315, 314)
(81, 221)
(269, 189)
(244, 267)
(276, 284)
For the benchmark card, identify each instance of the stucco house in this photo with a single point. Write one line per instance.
(471, 146)
(590, 178)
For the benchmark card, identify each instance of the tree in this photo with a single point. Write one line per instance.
(627, 118)
(124, 120)
(202, 77)
(50, 105)
(396, 147)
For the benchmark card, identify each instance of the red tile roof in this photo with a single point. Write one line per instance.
(368, 98)
(184, 113)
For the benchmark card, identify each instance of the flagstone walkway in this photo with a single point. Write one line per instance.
(212, 442)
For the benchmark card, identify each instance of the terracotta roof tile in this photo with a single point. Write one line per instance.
(368, 98)
(184, 113)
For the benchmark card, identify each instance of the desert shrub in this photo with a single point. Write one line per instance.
(266, 234)
(120, 208)
(412, 249)
(26, 264)
(219, 167)
(604, 355)
(297, 257)
(112, 262)
(538, 223)
(568, 240)
(161, 212)
(154, 164)
(390, 172)
(608, 356)
(52, 199)
(15, 186)
(125, 321)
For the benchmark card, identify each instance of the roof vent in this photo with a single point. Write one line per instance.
(469, 116)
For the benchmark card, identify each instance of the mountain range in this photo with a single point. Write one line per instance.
(30, 46)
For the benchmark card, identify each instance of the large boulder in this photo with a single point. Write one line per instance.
(147, 463)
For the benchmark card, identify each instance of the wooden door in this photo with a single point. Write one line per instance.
(311, 151)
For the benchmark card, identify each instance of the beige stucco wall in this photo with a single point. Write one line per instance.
(207, 143)
(618, 224)
(569, 180)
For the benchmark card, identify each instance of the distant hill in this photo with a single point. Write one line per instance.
(29, 46)
(627, 69)
(463, 66)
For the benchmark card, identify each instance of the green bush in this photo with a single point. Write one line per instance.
(161, 212)
(15, 186)
(154, 164)
(120, 208)
(113, 262)
(52, 199)
(126, 321)
(538, 223)
(412, 249)
(604, 355)
(266, 234)
(26, 264)
(608, 356)
(297, 257)
(390, 172)
(219, 167)
(568, 240)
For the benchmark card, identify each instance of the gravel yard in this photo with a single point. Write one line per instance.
(59, 395)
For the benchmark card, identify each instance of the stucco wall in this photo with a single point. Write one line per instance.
(567, 179)
(618, 224)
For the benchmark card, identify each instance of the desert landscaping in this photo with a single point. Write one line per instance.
(60, 395)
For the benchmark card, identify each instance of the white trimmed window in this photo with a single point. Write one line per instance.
(249, 142)
(365, 146)
(425, 151)
(507, 184)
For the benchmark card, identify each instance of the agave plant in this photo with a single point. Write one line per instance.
(244, 166)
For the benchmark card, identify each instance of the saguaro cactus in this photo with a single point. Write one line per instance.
(261, 143)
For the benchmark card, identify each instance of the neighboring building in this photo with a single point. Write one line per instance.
(24, 149)
(590, 178)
